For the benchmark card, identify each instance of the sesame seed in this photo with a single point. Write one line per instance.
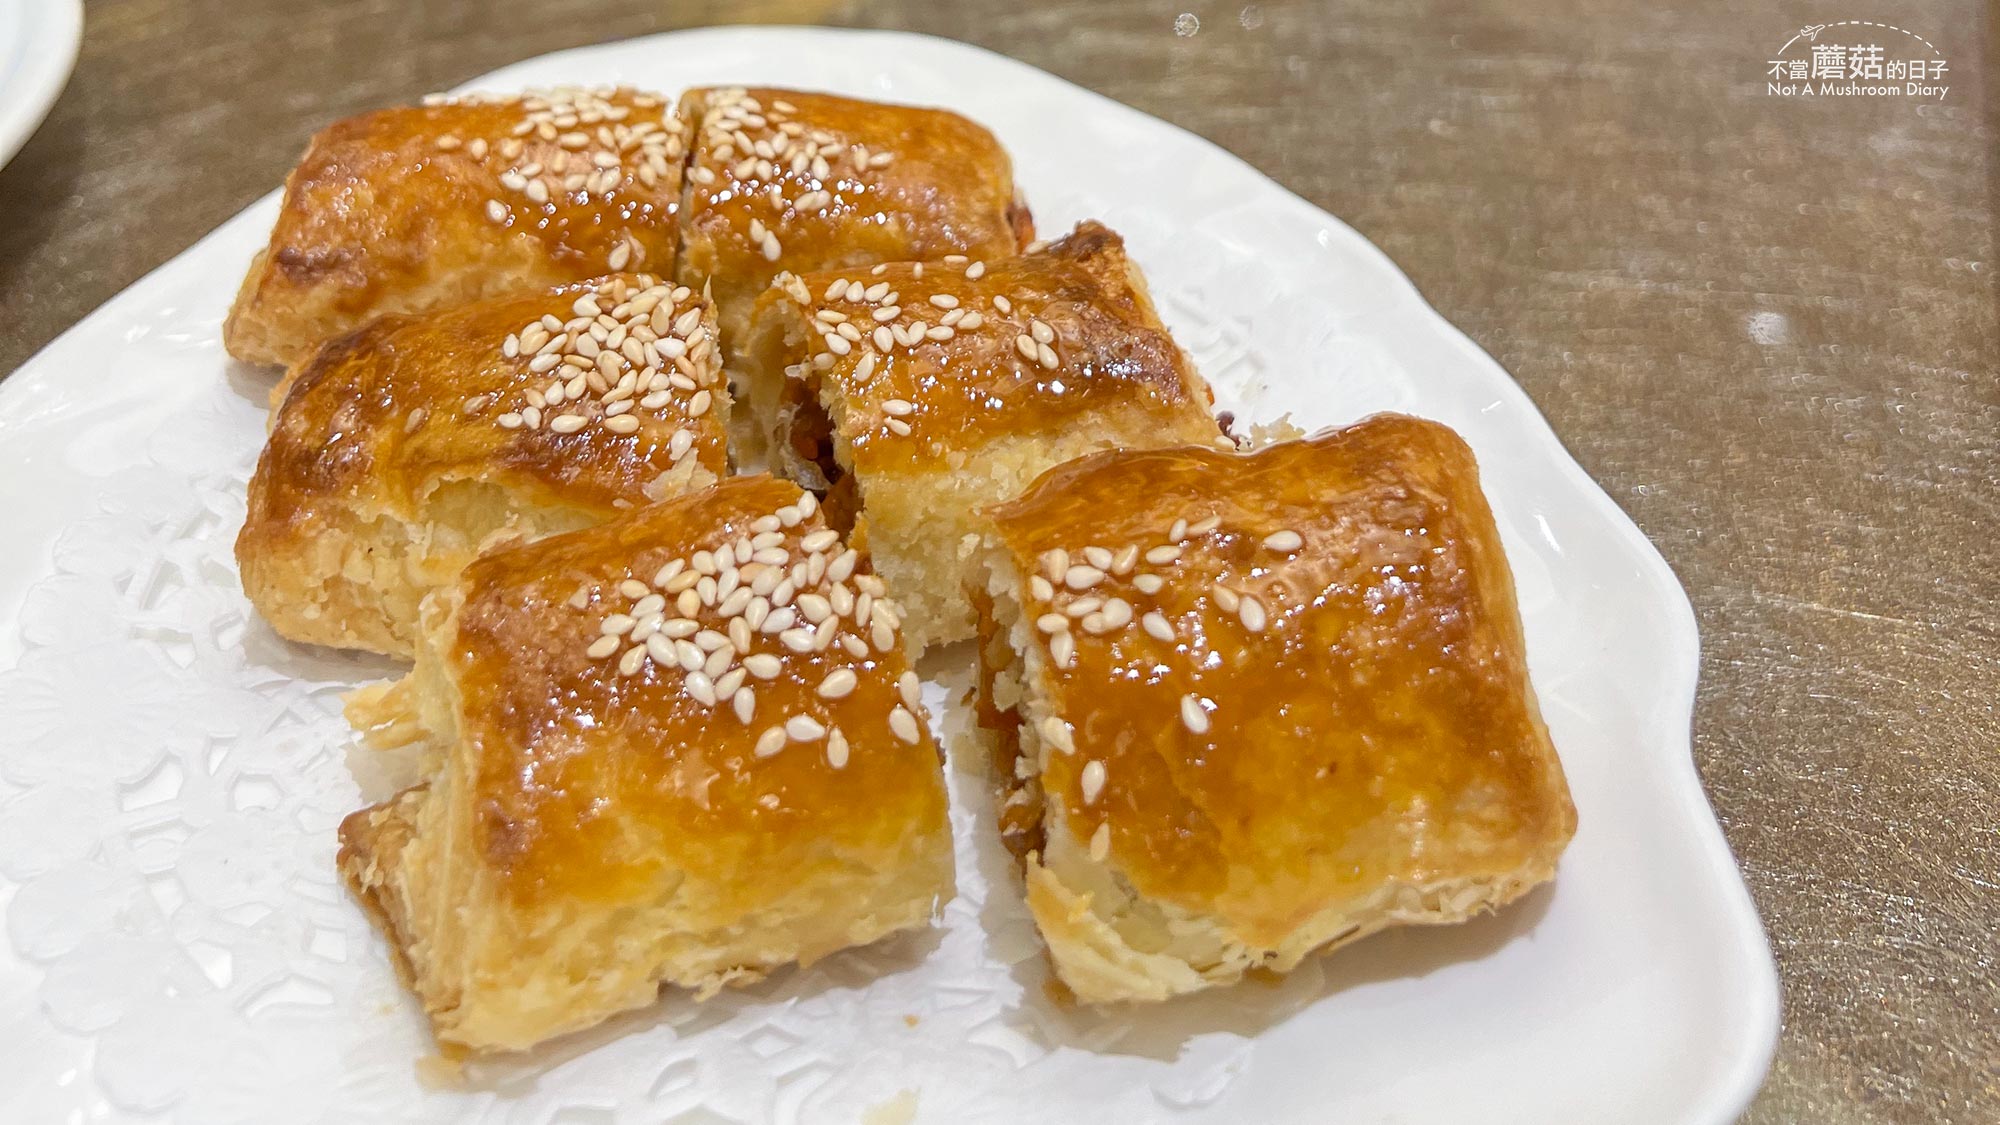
(1286, 540)
(1160, 556)
(602, 647)
(700, 688)
(1252, 614)
(728, 683)
(1051, 622)
(1100, 843)
(1193, 715)
(1046, 356)
(897, 407)
(1227, 598)
(496, 210)
(1042, 333)
(815, 608)
(904, 725)
(630, 662)
(974, 271)
(820, 540)
(911, 689)
(1155, 623)
(1179, 531)
(1062, 648)
(1092, 781)
(744, 703)
(837, 684)
(622, 423)
(1041, 588)
(804, 728)
(1117, 613)
(770, 742)
(836, 748)
(567, 423)
(1082, 577)
(1098, 557)
(944, 300)
(1056, 733)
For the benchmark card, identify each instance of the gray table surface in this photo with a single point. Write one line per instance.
(1767, 326)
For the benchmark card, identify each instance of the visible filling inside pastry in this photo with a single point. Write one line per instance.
(805, 447)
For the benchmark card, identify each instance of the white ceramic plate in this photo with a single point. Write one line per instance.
(38, 42)
(178, 945)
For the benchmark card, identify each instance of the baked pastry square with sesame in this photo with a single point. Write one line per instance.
(681, 748)
(917, 393)
(1252, 706)
(422, 207)
(399, 452)
(786, 180)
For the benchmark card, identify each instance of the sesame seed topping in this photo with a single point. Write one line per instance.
(1156, 625)
(836, 748)
(1193, 715)
(1251, 611)
(1286, 540)
(770, 742)
(1082, 577)
(1100, 843)
(1092, 780)
(1056, 733)
(904, 725)
(838, 684)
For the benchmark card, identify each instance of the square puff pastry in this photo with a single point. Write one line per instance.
(1253, 706)
(681, 748)
(924, 392)
(785, 180)
(423, 207)
(398, 452)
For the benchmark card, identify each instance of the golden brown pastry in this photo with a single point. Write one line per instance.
(1250, 706)
(919, 393)
(784, 180)
(423, 207)
(402, 450)
(682, 748)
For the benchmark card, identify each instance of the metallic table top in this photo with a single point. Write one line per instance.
(1768, 326)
